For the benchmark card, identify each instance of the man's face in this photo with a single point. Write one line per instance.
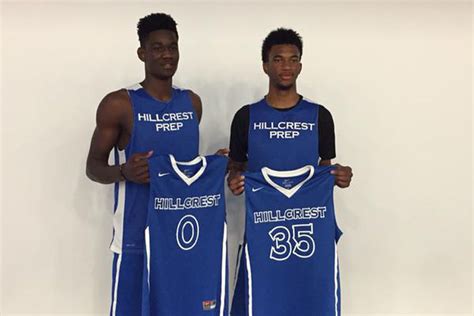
(160, 54)
(283, 66)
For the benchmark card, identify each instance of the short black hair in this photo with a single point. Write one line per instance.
(154, 22)
(278, 37)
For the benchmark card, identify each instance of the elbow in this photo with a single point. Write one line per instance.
(89, 171)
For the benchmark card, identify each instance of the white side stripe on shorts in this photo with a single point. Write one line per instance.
(223, 270)
(336, 284)
(118, 218)
(117, 274)
(249, 273)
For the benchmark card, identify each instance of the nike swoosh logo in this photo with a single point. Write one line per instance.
(256, 189)
(163, 174)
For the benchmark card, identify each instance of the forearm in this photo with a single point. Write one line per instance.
(236, 168)
(326, 162)
(101, 172)
(235, 180)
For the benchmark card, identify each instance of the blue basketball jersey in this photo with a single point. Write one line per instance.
(283, 140)
(290, 243)
(186, 237)
(170, 127)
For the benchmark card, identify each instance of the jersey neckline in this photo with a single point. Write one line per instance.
(139, 86)
(267, 172)
(195, 161)
(285, 109)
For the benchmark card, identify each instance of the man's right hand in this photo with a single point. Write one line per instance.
(136, 168)
(235, 182)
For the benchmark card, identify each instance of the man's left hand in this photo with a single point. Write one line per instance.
(343, 175)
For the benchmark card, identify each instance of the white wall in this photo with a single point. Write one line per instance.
(397, 78)
(1, 163)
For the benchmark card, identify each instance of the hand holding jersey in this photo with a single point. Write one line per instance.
(136, 168)
(236, 183)
(343, 175)
(283, 130)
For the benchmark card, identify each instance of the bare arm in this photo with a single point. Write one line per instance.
(325, 162)
(114, 119)
(110, 115)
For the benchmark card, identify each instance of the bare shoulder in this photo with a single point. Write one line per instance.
(197, 103)
(114, 107)
(115, 100)
(195, 98)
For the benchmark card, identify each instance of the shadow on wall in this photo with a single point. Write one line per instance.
(93, 207)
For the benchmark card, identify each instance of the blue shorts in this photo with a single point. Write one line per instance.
(129, 292)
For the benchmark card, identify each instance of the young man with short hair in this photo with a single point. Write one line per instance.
(302, 131)
(282, 131)
(152, 117)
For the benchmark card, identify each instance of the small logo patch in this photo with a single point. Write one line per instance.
(208, 305)
(256, 189)
(163, 174)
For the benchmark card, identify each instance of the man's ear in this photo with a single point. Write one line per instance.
(300, 67)
(265, 67)
(141, 53)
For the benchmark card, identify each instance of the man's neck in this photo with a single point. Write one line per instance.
(282, 99)
(158, 88)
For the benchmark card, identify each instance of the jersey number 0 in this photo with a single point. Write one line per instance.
(187, 241)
